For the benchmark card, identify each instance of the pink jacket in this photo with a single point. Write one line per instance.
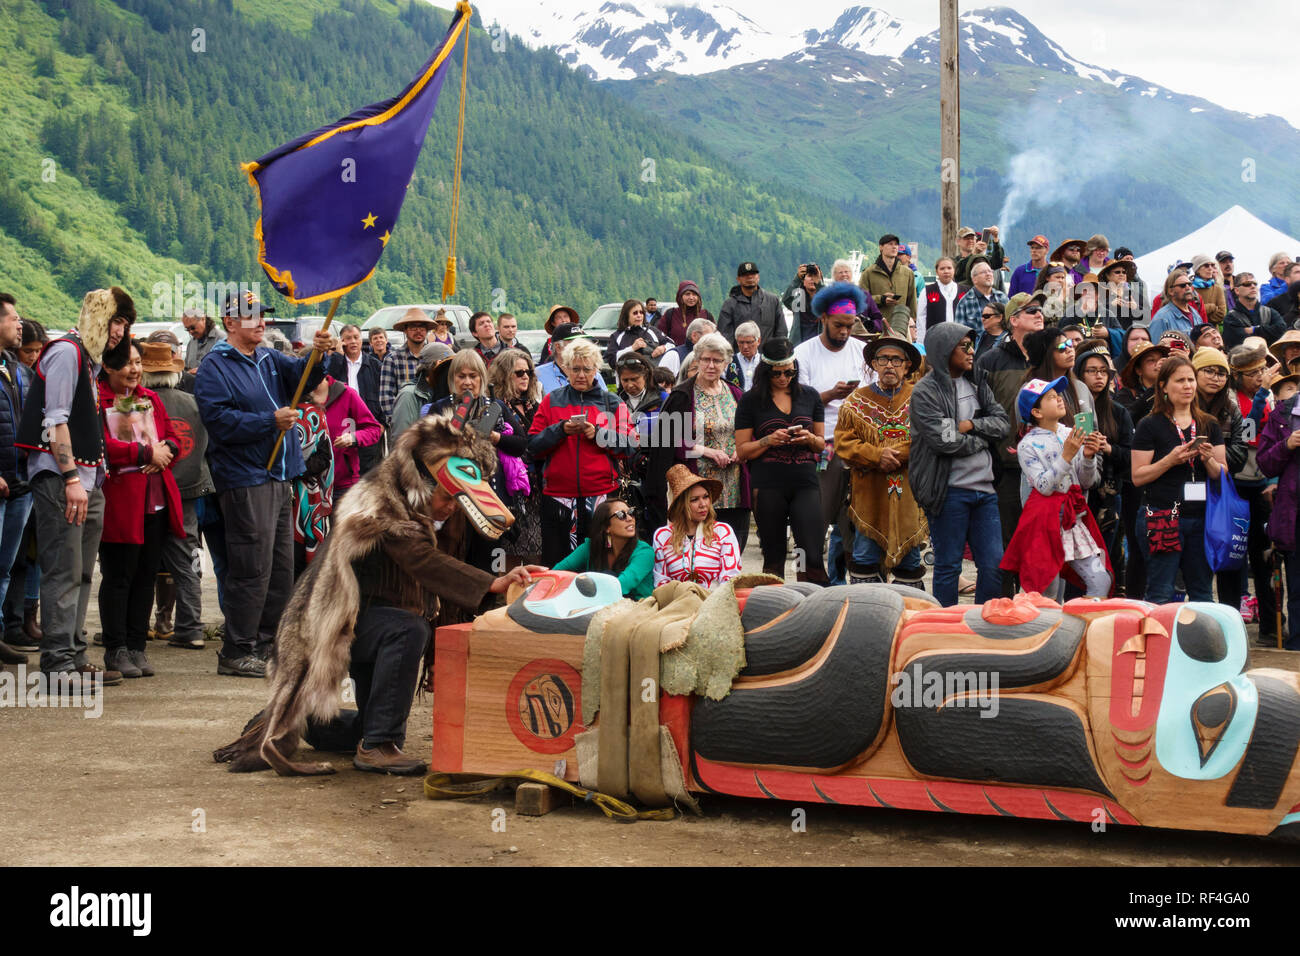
(345, 411)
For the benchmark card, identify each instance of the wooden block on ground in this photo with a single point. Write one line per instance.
(537, 799)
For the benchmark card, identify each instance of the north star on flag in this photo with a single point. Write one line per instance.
(330, 199)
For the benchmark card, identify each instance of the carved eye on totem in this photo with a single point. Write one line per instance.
(1201, 637)
(1211, 715)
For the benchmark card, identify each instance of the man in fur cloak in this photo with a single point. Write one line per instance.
(361, 607)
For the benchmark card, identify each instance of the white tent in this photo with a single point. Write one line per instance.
(1251, 242)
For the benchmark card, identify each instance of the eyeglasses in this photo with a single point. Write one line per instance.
(522, 373)
(1246, 285)
(1180, 285)
(637, 312)
(992, 315)
(782, 373)
(1065, 346)
(890, 360)
(1215, 372)
(710, 360)
(1032, 310)
(621, 515)
(966, 345)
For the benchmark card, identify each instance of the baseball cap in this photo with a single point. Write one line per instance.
(567, 330)
(1039, 240)
(746, 269)
(888, 237)
(1020, 300)
(965, 231)
(1032, 393)
(1223, 256)
(243, 305)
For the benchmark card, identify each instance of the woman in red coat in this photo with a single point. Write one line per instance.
(142, 503)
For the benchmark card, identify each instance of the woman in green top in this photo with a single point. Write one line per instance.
(618, 551)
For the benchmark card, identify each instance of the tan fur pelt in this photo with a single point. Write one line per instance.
(97, 308)
(314, 640)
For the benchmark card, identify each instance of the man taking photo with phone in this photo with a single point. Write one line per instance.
(890, 283)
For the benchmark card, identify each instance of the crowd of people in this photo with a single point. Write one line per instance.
(1052, 422)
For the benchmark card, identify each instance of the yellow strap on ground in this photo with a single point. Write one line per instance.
(453, 786)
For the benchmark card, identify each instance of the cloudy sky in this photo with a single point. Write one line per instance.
(1237, 54)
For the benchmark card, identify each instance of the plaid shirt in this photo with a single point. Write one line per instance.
(398, 369)
(969, 310)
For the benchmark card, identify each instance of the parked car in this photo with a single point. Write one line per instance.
(385, 317)
(534, 340)
(602, 323)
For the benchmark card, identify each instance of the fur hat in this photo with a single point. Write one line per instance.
(1246, 357)
(98, 309)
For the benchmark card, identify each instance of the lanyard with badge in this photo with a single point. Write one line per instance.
(1192, 490)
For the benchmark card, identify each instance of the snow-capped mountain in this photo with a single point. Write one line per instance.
(619, 41)
(993, 36)
(625, 40)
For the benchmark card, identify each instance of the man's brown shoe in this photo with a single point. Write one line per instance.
(386, 758)
(9, 655)
(111, 678)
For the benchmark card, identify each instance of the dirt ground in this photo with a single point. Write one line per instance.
(138, 786)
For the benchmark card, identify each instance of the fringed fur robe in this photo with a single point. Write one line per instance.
(389, 510)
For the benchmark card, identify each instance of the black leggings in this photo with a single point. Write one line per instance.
(127, 573)
(1135, 573)
(800, 510)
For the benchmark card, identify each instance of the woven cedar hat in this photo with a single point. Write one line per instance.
(681, 479)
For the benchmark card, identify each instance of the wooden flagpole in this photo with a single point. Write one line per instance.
(302, 382)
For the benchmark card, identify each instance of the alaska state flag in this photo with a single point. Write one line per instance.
(330, 199)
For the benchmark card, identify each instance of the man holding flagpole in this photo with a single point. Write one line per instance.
(244, 392)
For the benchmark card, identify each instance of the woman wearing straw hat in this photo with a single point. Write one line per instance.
(694, 545)
(442, 330)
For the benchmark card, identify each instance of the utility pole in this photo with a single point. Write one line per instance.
(950, 127)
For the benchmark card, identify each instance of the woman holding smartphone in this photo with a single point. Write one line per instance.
(1175, 449)
(779, 425)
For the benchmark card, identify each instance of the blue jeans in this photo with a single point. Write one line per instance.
(967, 517)
(13, 526)
(866, 552)
(836, 568)
(1162, 568)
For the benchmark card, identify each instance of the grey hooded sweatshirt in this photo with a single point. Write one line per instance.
(935, 438)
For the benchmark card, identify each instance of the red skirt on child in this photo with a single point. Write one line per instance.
(1036, 551)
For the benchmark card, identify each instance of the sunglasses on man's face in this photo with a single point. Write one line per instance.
(966, 345)
(1031, 310)
(1180, 285)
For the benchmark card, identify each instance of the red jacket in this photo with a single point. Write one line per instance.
(124, 491)
(1036, 551)
(577, 466)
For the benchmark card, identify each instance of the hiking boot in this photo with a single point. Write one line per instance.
(30, 628)
(97, 640)
(911, 579)
(11, 655)
(386, 758)
(141, 663)
(119, 659)
(250, 665)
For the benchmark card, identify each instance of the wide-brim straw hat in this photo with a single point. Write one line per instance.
(881, 341)
(413, 317)
(1130, 270)
(1289, 337)
(552, 317)
(681, 479)
(1128, 375)
(1056, 253)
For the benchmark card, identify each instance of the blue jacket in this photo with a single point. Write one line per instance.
(238, 397)
(1169, 317)
(1023, 279)
(1272, 288)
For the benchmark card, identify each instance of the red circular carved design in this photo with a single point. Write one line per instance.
(184, 437)
(544, 705)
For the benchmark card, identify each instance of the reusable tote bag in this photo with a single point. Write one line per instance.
(1227, 525)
